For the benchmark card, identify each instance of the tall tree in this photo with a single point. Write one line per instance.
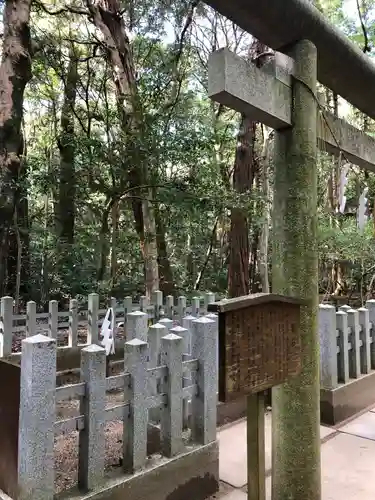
(108, 18)
(15, 72)
(245, 167)
(243, 176)
(65, 216)
(265, 192)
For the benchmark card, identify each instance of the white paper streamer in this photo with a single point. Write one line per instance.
(362, 209)
(108, 332)
(343, 182)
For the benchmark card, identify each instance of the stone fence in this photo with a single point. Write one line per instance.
(347, 345)
(83, 326)
(169, 380)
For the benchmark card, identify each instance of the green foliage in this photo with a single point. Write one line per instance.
(189, 144)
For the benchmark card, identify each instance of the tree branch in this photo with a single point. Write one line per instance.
(366, 47)
(208, 255)
(63, 10)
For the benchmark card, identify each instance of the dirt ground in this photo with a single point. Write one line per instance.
(66, 445)
(66, 455)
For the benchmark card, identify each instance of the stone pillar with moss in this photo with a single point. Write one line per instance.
(295, 405)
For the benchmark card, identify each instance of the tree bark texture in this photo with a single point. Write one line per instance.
(295, 404)
(15, 72)
(264, 233)
(245, 166)
(66, 142)
(243, 176)
(165, 268)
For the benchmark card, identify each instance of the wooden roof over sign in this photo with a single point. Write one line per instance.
(254, 299)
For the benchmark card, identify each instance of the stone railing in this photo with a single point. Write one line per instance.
(347, 343)
(171, 371)
(82, 327)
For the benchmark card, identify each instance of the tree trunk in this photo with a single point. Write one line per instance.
(264, 234)
(15, 72)
(243, 175)
(66, 142)
(108, 18)
(165, 269)
(115, 218)
(44, 286)
(150, 248)
(104, 245)
(18, 262)
(337, 275)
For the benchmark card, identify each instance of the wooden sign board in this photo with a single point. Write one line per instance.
(10, 374)
(259, 343)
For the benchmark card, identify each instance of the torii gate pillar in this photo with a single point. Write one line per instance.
(295, 405)
(286, 101)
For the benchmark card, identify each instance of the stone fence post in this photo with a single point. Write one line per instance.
(53, 318)
(157, 302)
(354, 353)
(204, 403)
(169, 307)
(181, 308)
(328, 347)
(195, 306)
(73, 323)
(93, 319)
(137, 326)
(343, 343)
(135, 426)
(365, 339)
(171, 413)
(37, 419)
(91, 438)
(128, 308)
(6, 320)
(155, 334)
(30, 318)
(370, 305)
(184, 333)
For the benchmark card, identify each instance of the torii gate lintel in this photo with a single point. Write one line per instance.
(265, 94)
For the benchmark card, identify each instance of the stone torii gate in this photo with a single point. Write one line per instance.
(266, 96)
(284, 97)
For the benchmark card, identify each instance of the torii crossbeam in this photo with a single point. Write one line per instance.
(342, 66)
(266, 96)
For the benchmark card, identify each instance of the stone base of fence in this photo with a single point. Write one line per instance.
(342, 403)
(347, 360)
(348, 399)
(191, 476)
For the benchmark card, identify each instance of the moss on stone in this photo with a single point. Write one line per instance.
(296, 438)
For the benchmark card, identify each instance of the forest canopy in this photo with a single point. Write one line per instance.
(120, 175)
